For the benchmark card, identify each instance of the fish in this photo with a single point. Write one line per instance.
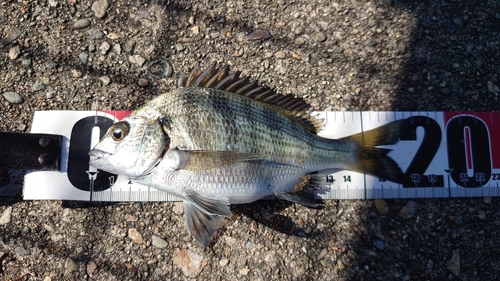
(220, 139)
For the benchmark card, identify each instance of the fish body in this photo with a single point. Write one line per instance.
(212, 145)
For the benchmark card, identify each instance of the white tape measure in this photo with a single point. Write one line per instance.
(443, 154)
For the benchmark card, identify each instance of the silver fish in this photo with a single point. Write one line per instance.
(219, 139)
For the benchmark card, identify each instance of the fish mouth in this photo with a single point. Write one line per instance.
(96, 155)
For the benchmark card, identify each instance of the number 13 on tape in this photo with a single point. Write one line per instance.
(443, 154)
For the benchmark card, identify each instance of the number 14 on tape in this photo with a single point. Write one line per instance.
(443, 154)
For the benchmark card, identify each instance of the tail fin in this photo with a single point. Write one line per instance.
(375, 161)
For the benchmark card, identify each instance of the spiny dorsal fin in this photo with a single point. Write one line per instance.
(232, 82)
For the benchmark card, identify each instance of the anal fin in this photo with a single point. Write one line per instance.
(303, 193)
(205, 215)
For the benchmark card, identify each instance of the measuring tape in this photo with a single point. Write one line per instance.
(443, 154)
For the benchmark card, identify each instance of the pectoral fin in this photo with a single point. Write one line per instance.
(195, 160)
(204, 215)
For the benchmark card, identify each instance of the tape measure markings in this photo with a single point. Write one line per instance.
(443, 154)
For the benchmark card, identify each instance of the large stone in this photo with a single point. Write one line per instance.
(100, 7)
(191, 263)
(81, 23)
(12, 35)
(158, 242)
(12, 97)
(6, 216)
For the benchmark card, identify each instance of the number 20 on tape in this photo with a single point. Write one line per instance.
(455, 149)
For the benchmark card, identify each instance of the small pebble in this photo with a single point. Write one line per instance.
(159, 242)
(14, 52)
(135, 235)
(53, 3)
(104, 48)
(370, 42)
(92, 269)
(82, 23)
(280, 55)
(249, 245)
(106, 80)
(45, 80)
(117, 48)
(223, 262)
(37, 87)
(300, 41)
(408, 210)
(322, 254)
(50, 95)
(487, 200)
(136, 59)
(245, 271)
(295, 55)
(129, 46)
(21, 251)
(259, 34)
(381, 206)
(401, 47)
(492, 88)
(379, 244)
(12, 97)
(76, 73)
(320, 37)
(70, 265)
(100, 7)
(26, 62)
(6, 216)
(12, 35)
(158, 271)
(179, 47)
(95, 33)
(340, 265)
(453, 264)
(143, 82)
(84, 57)
(112, 36)
(195, 30)
(481, 214)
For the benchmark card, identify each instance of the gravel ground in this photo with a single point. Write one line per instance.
(343, 55)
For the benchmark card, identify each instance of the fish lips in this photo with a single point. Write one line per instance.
(97, 156)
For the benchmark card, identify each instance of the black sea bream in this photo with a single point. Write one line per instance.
(219, 139)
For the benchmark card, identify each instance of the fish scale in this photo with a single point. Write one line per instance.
(261, 123)
(213, 147)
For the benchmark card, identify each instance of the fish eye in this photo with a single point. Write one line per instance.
(119, 131)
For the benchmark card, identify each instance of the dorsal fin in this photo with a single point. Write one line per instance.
(232, 82)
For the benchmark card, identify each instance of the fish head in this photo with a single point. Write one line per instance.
(131, 147)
